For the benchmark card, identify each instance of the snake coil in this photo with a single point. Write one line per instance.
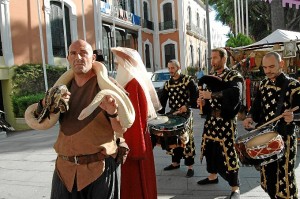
(125, 108)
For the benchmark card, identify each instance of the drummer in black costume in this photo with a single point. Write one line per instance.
(181, 90)
(277, 178)
(221, 108)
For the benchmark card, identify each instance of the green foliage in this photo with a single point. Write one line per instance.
(239, 40)
(191, 70)
(21, 103)
(259, 16)
(29, 78)
(28, 85)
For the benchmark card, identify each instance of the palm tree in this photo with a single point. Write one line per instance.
(264, 18)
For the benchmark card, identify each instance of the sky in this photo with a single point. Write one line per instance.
(219, 26)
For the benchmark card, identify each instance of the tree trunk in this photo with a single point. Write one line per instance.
(277, 15)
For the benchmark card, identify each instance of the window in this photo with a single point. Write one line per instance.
(122, 4)
(131, 6)
(192, 55)
(204, 27)
(189, 15)
(199, 54)
(167, 9)
(120, 38)
(198, 20)
(57, 29)
(147, 53)
(145, 8)
(106, 45)
(131, 40)
(169, 53)
(1, 49)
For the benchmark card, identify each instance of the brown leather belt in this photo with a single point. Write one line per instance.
(216, 113)
(84, 159)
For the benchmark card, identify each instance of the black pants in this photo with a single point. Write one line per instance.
(215, 163)
(178, 155)
(105, 187)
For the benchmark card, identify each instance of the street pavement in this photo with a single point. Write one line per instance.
(27, 161)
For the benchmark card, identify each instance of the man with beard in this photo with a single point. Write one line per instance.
(221, 108)
(276, 95)
(181, 91)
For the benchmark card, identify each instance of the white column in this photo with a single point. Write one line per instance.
(6, 34)
(239, 15)
(83, 20)
(98, 24)
(156, 40)
(182, 36)
(138, 10)
(42, 45)
(140, 42)
(48, 33)
(247, 19)
(235, 18)
(242, 17)
(65, 32)
(113, 29)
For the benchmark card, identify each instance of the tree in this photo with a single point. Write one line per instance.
(264, 18)
(239, 40)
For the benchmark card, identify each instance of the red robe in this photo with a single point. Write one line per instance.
(138, 179)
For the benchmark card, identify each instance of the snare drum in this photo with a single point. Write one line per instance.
(170, 131)
(259, 147)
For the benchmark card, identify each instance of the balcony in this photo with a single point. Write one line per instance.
(194, 30)
(119, 13)
(147, 24)
(167, 25)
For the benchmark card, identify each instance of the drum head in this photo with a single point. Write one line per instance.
(261, 139)
(158, 120)
(168, 123)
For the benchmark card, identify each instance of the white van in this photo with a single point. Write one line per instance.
(159, 78)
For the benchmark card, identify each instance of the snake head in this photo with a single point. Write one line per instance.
(54, 103)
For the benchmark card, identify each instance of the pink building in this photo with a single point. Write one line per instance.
(40, 31)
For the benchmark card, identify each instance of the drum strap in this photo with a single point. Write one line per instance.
(281, 97)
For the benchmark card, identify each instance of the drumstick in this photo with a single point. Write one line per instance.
(200, 105)
(274, 119)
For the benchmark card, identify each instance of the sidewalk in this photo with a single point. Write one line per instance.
(27, 162)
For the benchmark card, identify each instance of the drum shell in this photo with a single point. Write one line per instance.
(171, 137)
(261, 153)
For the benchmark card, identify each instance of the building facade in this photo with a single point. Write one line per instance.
(40, 31)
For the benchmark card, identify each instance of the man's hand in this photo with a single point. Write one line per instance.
(200, 102)
(109, 105)
(288, 116)
(182, 109)
(205, 94)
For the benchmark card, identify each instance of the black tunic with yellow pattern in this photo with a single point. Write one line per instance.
(222, 128)
(278, 178)
(180, 92)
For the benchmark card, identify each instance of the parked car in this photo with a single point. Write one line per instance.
(159, 78)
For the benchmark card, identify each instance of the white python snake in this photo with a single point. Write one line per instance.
(125, 108)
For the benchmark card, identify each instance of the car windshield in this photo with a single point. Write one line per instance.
(158, 77)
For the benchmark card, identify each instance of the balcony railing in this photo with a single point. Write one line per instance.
(119, 13)
(167, 25)
(194, 30)
(147, 24)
